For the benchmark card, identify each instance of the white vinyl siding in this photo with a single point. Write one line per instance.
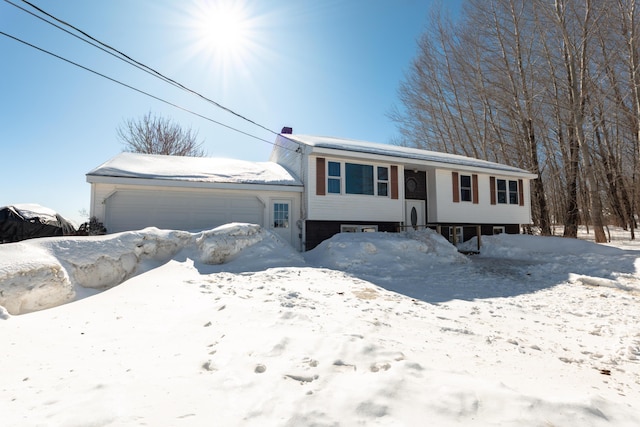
(132, 207)
(444, 209)
(353, 207)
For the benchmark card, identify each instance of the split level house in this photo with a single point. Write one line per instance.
(312, 188)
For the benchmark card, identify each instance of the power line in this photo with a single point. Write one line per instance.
(124, 57)
(97, 46)
(149, 70)
(133, 88)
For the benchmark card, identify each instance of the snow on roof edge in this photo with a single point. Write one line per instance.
(360, 146)
(194, 169)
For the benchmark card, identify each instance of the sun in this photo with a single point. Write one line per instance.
(224, 27)
(224, 31)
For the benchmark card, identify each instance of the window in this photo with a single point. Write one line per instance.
(354, 178)
(281, 215)
(465, 188)
(334, 178)
(513, 192)
(348, 228)
(383, 181)
(501, 192)
(456, 235)
(358, 179)
(507, 192)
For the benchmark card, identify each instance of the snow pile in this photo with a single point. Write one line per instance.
(244, 247)
(360, 252)
(503, 338)
(45, 273)
(31, 279)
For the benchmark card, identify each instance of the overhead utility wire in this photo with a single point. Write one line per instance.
(155, 72)
(97, 46)
(134, 88)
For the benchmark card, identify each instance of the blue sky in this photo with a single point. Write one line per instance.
(328, 67)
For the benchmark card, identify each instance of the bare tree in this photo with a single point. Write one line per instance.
(152, 134)
(551, 86)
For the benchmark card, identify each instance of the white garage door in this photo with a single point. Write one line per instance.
(180, 210)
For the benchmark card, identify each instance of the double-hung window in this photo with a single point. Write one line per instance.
(334, 179)
(513, 192)
(501, 190)
(383, 181)
(465, 188)
(507, 192)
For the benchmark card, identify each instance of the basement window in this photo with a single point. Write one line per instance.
(349, 228)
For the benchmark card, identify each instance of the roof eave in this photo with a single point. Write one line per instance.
(159, 182)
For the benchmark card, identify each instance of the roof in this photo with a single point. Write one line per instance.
(194, 169)
(400, 152)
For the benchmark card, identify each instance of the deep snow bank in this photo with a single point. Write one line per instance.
(524, 246)
(45, 273)
(361, 252)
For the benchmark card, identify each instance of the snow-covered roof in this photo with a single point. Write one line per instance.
(194, 169)
(400, 152)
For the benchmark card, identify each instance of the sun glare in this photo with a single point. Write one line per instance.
(223, 30)
(224, 27)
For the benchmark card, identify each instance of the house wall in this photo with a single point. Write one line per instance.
(319, 231)
(288, 154)
(352, 207)
(127, 207)
(446, 210)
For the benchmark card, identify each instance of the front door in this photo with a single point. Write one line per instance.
(415, 214)
(280, 223)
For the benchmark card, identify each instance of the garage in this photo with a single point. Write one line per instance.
(181, 210)
(133, 191)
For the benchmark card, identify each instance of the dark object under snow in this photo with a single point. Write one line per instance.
(21, 223)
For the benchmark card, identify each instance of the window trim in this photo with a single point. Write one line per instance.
(382, 181)
(508, 193)
(458, 188)
(275, 217)
(331, 177)
(458, 230)
(324, 175)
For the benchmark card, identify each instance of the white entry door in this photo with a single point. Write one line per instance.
(415, 217)
(280, 222)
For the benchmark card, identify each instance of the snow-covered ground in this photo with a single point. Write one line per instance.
(232, 327)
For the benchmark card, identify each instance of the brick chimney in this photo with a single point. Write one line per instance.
(287, 130)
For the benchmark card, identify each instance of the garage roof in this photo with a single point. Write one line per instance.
(194, 169)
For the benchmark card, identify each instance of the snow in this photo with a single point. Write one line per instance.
(193, 169)
(34, 210)
(344, 144)
(232, 327)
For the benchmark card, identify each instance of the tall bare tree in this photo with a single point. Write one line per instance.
(152, 134)
(551, 86)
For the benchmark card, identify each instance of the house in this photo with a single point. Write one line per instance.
(314, 187)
